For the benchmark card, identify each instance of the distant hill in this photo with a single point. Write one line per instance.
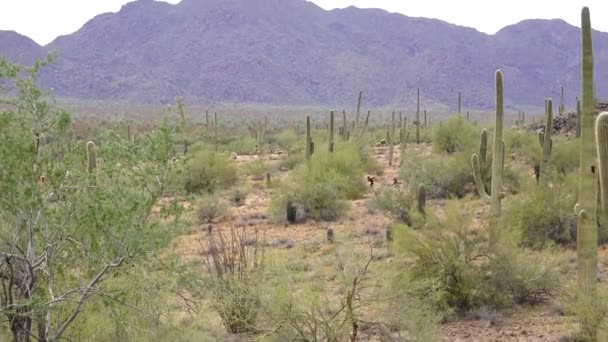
(293, 52)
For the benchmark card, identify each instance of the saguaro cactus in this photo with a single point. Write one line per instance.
(344, 127)
(91, 157)
(356, 128)
(331, 131)
(496, 195)
(309, 142)
(421, 199)
(585, 209)
(215, 131)
(369, 112)
(418, 116)
(459, 103)
(546, 143)
(483, 147)
(601, 138)
(562, 107)
(578, 117)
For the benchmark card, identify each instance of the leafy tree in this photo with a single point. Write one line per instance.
(65, 229)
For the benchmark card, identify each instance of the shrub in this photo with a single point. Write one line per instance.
(209, 171)
(235, 266)
(453, 135)
(321, 186)
(542, 216)
(210, 208)
(399, 205)
(454, 269)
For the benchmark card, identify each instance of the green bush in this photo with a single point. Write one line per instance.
(453, 135)
(211, 207)
(209, 171)
(320, 187)
(451, 266)
(542, 214)
(400, 205)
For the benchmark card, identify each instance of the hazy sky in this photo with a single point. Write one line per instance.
(44, 20)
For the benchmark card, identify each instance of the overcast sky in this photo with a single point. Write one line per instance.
(44, 20)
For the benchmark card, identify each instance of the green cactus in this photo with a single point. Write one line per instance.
(309, 143)
(421, 195)
(356, 126)
(426, 124)
(369, 112)
(291, 212)
(331, 131)
(483, 147)
(601, 136)
(344, 127)
(418, 116)
(562, 107)
(578, 117)
(585, 209)
(546, 143)
(207, 121)
(496, 194)
(91, 157)
(468, 116)
(268, 180)
(459, 103)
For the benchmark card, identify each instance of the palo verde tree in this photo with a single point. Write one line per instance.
(63, 236)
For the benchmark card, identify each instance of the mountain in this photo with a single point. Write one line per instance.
(293, 52)
(18, 48)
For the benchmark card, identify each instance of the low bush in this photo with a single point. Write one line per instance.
(453, 267)
(209, 171)
(320, 187)
(210, 208)
(454, 135)
(400, 205)
(540, 215)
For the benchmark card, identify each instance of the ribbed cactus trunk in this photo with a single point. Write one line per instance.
(498, 160)
(483, 146)
(421, 195)
(92, 162)
(369, 112)
(546, 144)
(587, 229)
(601, 136)
(391, 141)
(578, 117)
(459, 103)
(418, 116)
(356, 128)
(309, 143)
(562, 107)
(331, 131)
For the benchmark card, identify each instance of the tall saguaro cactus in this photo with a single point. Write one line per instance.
(601, 138)
(215, 131)
(585, 209)
(344, 126)
(578, 117)
(498, 159)
(562, 107)
(546, 143)
(331, 131)
(309, 142)
(91, 157)
(418, 116)
(459, 103)
(355, 130)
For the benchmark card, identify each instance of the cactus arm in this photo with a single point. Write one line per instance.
(483, 147)
(481, 190)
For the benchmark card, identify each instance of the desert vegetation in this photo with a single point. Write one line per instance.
(351, 225)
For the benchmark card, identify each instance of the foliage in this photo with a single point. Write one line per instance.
(540, 216)
(234, 266)
(400, 205)
(454, 135)
(321, 186)
(211, 207)
(453, 268)
(70, 231)
(209, 171)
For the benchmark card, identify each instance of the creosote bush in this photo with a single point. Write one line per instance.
(320, 188)
(210, 208)
(400, 205)
(454, 135)
(452, 266)
(209, 171)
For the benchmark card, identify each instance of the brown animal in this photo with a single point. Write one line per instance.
(371, 181)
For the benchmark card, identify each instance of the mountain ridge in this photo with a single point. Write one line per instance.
(294, 52)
